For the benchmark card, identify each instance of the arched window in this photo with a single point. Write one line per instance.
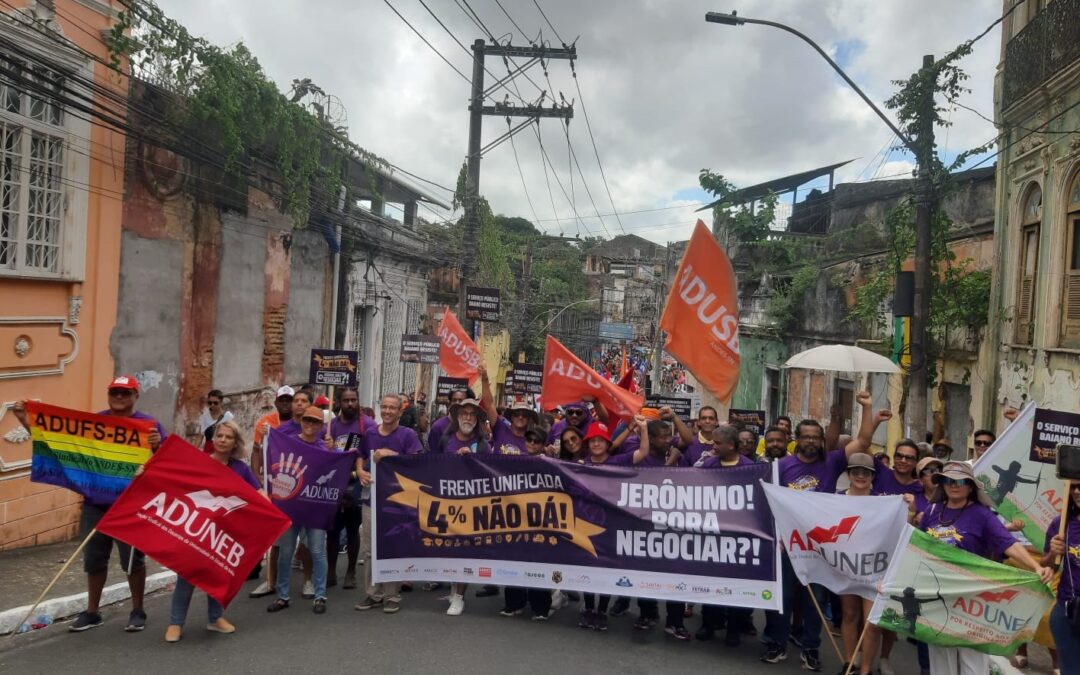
(1070, 304)
(1030, 218)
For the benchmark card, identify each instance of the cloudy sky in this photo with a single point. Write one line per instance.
(666, 93)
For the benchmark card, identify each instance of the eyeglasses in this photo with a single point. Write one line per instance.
(953, 482)
(905, 458)
(982, 444)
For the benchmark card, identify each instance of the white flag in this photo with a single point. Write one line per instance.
(842, 542)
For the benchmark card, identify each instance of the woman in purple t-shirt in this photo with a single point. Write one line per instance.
(571, 445)
(1068, 547)
(229, 449)
(959, 515)
(902, 478)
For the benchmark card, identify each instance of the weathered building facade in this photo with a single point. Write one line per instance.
(1036, 345)
(61, 181)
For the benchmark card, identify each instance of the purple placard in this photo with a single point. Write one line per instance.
(1053, 428)
(305, 482)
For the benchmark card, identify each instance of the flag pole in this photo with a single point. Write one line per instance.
(1064, 516)
(824, 623)
(855, 652)
(54, 580)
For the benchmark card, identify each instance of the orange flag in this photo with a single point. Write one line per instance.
(701, 315)
(567, 379)
(458, 354)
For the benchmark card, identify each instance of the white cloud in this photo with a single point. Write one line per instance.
(667, 93)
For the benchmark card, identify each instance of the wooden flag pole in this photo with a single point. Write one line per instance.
(855, 652)
(416, 393)
(54, 580)
(825, 624)
(1064, 517)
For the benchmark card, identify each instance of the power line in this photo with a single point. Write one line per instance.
(559, 37)
(431, 46)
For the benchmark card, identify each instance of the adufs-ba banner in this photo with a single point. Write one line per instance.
(697, 535)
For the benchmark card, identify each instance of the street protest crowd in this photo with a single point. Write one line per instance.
(941, 493)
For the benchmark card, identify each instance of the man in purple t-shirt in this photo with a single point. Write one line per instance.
(812, 468)
(123, 395)
(349, 423)
(439, 426)
(384, 440)
(507, 433)
(301, 402)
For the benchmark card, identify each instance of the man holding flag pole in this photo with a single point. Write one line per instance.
(123, 394)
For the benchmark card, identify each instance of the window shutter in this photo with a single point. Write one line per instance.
(1024, 310)
(1071, 320)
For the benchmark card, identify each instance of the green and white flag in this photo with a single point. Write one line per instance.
(945, 596)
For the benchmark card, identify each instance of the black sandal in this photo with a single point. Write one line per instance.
(278, 605)
(319, 606)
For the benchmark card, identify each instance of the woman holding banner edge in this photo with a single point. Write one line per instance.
(959, 515)
(1067, 549)
(230, 450)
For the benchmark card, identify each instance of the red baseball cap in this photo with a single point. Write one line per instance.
(597, 430)
(321, 401)
(125, 382)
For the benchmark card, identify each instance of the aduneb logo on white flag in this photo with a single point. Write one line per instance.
(842, 542)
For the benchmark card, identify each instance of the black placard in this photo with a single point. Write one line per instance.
(420, 348)
(482, 304)
(334, 367)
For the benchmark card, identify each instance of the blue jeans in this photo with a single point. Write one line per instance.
(181, 600)
(315, 540)
(778, 626)
(1067, 642)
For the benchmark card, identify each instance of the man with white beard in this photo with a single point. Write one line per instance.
(463, 437)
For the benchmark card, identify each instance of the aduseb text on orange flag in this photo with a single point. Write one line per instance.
(567, 379)
(701, 315)
(458, 354)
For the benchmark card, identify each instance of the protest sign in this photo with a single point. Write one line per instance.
(842, 542)
(567, 380)
(420, 348)
(93, 455)
(333, 367)
(698, 535)
(444, 385)
(305, 482)
(458, 354)
(679, 405)
(1019, 486)
(481, 304)
(701, 315)
(195, 516)
(945, 596)
(753, 419)
(528, 378)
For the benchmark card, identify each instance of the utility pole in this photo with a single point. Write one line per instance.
(658, 335)
(477, 111)
(924, 205)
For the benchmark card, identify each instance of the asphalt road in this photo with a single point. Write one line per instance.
(419, 639)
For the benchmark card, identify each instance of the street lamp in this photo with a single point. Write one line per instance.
(924, 199)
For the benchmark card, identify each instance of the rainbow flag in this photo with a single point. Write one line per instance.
(94, 455)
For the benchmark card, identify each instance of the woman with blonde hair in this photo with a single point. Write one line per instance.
(229, 449)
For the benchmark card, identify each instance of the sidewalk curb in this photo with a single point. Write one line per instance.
(62, 608)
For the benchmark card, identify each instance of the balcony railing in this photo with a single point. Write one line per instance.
(1044, 47)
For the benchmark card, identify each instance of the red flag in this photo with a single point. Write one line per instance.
(701, 315)
(197, 517)
(627, 382)
(567, 379)
(458, 354)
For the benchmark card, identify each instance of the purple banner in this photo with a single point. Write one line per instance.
(702, 535)
(305, 482)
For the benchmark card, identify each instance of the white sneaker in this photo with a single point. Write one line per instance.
(261, 590)
(309, 590)
(558, 600)
(457, 604)
(885, 667)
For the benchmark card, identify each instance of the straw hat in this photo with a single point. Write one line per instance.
(960, 471)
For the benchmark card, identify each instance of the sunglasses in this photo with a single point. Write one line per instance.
(929, 472)
(575, 413)
(905, 458)
(120, 393)
(861, 472)
(953, 482)
(982, 444)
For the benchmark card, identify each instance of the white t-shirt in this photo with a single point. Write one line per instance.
(206, 421)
